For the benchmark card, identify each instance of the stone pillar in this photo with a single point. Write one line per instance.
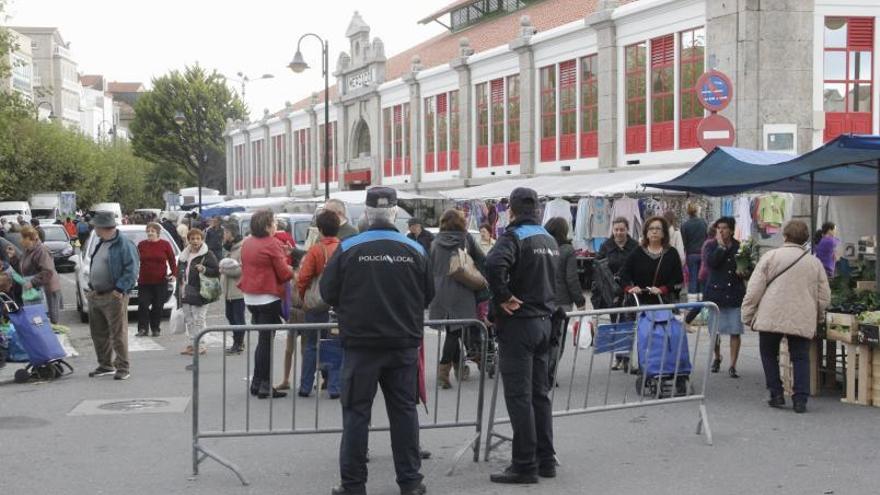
(527, 90)
(767, 50)
(315, 161)
(288, 149)
(230, 157)
(415, 121)
(606, 35)
(248, 161)
(465, 118)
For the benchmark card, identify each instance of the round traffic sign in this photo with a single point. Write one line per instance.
(713, 131)
(714, 90)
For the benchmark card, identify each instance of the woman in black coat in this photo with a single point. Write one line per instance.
(194, 260)
(725, 288)
(653, 272)
(568, 286)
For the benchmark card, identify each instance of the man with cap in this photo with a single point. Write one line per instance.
(113, 272)
(379, 284)
(521, 273)
(419, 234)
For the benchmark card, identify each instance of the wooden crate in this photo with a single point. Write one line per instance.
(876, 368)
(866, 285)
(786, 369)
(842, 327)
(859, 375)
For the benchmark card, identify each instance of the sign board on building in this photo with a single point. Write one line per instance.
(715, 130)
(714, 90)
(360, 79)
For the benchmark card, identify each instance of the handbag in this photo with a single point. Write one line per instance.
(312, 300)
(209, 288)
(463, 270)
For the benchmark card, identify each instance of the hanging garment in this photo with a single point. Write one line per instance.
(743, 217)
(627, 208)
(601, 221)
(557, 208)
(583, 223)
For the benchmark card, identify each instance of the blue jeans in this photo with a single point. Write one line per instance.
(694, 261)
(310, 357)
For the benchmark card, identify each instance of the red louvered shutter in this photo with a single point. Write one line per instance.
(567, 73)
(441, 103)
(860, 33)
(662, 50)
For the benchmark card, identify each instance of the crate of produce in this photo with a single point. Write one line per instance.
(866, 285)
(842, 327)
(859, 375)
(869, 334)
(786, 369)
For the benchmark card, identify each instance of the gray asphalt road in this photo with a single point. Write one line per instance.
(46, 449)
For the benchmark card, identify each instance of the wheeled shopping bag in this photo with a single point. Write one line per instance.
(34, 333)
(664, 356)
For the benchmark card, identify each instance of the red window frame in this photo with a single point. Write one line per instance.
(568, 110)
(397, 140)
(663, 93)
(482, 99)
(692, 54)
(430, 150)
(513, 113)
(853, 117)
(303, 167)
(442, 102)
(387, 151)
(454, 128)
(636, 124)
(548, 113)
(496, 100)
(589, 107)
(257, 153)
(278, 177)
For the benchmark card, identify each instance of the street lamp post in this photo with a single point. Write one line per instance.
(244, 79)
(51, 110)
(102, 130)
(297, 65)
(180, 119)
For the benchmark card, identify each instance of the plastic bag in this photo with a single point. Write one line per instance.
(15, 353)
(176, 322)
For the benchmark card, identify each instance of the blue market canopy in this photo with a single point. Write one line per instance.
(847, 165)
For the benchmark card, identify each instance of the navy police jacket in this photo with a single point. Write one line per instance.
(523, 264)
(379, 283)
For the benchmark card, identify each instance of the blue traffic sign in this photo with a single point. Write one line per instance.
(714, 91)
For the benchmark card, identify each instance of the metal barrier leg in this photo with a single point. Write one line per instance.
(220, 460)
(704, 424)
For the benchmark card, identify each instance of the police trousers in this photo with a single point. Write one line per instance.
(396, 371)
(524, 357)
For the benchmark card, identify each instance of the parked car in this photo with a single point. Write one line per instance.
(59, 245)
(136, 234)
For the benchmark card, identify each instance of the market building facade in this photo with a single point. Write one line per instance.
(520, 88)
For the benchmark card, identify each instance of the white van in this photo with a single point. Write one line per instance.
(10, 210)
(113, 207)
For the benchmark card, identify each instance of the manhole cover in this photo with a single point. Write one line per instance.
(134, 405)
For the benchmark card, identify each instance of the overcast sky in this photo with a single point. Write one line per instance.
(136, 40)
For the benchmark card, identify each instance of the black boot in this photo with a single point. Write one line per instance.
(419, 489)
(800, 406)
(512, 477)
(776, 401)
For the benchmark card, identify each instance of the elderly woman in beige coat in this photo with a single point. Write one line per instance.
(786, 295)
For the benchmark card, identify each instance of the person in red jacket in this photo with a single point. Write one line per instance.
(157, 257)
(264, 270)
(310, 273)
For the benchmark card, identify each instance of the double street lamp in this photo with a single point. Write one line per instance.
(244, 79)
(298, 65)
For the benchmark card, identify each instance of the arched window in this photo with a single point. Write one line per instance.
(362, 139)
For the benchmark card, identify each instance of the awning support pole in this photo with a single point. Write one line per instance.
(812, 211)
(877, 233)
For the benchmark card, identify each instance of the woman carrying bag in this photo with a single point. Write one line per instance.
(198, 272)
(453, 299)
(38, 267)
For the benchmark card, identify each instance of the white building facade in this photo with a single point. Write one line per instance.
(21, 62)
(556, 87)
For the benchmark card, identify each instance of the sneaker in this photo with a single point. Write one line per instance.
(234, 349)
(142, 333)
(101, 371)
(121, 375)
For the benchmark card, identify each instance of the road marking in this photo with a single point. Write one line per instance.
(141, 344)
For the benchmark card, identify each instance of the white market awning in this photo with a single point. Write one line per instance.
(254, 203)
(592, 184)
(360, 197)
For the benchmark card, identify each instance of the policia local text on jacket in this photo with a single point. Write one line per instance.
(522, 272)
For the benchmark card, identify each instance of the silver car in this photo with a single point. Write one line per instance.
(136, 234)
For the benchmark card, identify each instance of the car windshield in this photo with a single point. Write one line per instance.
(4, 213)
(300, 231)
(55, 234)
(43, 213)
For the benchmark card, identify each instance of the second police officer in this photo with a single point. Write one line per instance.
(521, 271)
(380, 284)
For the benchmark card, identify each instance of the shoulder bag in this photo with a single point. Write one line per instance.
(312, 300)
(463, 270)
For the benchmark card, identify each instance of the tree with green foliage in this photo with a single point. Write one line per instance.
(206, 103)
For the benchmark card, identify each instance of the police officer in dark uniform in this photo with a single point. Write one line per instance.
(379, 283)
(521, 269)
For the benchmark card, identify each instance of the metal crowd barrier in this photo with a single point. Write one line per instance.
(232, 404)
(590, 386)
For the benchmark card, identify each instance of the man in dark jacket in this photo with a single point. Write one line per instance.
(214, 237)
(169, 227)
(379, 283)
(693, 234)
(419, 234)
(522, 277)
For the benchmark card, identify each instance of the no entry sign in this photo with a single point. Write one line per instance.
(713, 131)
(714, 91)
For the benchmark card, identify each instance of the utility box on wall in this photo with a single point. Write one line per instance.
(781, 138)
